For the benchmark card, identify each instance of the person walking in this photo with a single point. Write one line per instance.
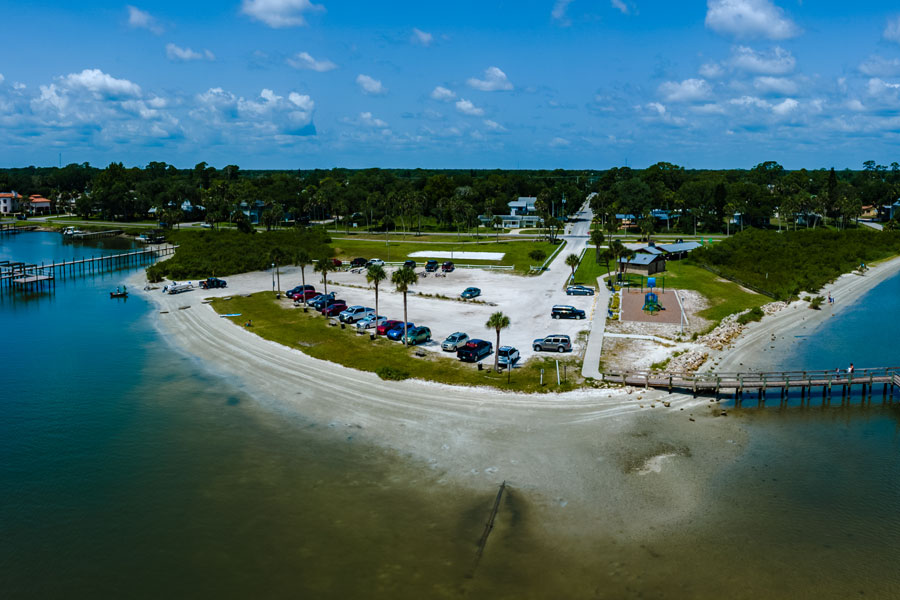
(850, 369)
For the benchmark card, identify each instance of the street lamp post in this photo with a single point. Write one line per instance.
(273, 278)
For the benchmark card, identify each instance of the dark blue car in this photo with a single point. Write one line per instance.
(397, 332)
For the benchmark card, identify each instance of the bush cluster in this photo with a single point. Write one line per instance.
(789, 262)
(226, 252)
(754, 314)
(391, 374)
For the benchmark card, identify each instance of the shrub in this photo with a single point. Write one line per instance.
(538, 255)
(754, 314)
(391, 374)
(816, 303)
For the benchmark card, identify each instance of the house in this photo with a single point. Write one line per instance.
(889, 211)
(254, 211)
(643, 263)
(522, 213)
(679, 250)
(869, 212)
(650, 249)
(9, 202)
(39, 205)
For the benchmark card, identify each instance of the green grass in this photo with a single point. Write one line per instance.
(311, 334)
(725, 297)
(588, 270)
(516, 253)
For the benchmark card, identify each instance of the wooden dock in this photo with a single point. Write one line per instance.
(780, 382)
(17, 276)
(94, 235)
(12, 228)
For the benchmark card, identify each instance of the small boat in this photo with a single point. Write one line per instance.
(118, 294)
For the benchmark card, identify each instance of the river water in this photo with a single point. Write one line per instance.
(130, 470)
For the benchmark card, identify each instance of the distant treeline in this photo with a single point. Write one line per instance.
(791, 262)
(207, 253)
(701, 200)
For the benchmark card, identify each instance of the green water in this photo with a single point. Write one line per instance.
(130, 470)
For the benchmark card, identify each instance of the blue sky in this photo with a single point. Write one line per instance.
(540, 84)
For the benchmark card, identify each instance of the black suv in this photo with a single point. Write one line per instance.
(212, 282)
(474, 350)
(448, 267)
(431, 266)
(358, 262)
(564, 311)
(409, 264)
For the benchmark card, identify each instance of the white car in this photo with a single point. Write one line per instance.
(354, 313)
(507, 355)
(370, 321)
(373, 262)
(455, 341)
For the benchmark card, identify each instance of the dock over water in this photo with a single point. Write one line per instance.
(829, 382)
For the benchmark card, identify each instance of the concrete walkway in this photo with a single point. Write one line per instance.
(591, 365)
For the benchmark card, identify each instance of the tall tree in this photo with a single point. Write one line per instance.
(324, 265)
(302, 260)
(497, 321)
(375, 274)
(572, 263)
(402, 279)
(277, 256)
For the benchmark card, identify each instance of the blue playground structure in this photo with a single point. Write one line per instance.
(651, 299)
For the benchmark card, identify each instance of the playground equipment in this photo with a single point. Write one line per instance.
(651, 303)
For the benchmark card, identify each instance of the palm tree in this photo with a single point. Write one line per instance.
(301, 259)
(497, 322)
(376, 275)
(611, 227)
(277, 256)
(604, 256)
(324, 266)
(572, 261)
(497, 222)
(402, 279)
(618, 251)
(597, 239)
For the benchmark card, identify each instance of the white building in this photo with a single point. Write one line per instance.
(9, 202)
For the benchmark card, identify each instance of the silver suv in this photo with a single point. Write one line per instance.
(556, 341)
(454, 342)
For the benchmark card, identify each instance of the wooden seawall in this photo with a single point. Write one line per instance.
(763, 382)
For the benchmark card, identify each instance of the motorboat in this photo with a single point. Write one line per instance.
(70, 231)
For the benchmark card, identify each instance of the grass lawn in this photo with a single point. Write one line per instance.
(515, 253)
(588, 270)
(311, 334)
(725, 297)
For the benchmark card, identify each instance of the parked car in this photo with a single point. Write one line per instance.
(305, 295)
(355, 313)
(334, 308)
(375, 261)
(564, 311)
(580, 290)
(409, 264)
(470, 292)
(386, 326)
(370, 321)
(358, 262)
(418, 335)
(336, 262)
(448, 267)
(396, 333)
(507, 355)
(454, 341)
(296, 290)
(431, 266)
(474, 350)
(556, 341)
(320, 301)
(212, 282)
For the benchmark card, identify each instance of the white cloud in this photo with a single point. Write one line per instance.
(559, 12)
(443, 94)
(494, 80)
(620, 6)
(101, 84)
(493, 125)
(175, 53)
(370, 86)
(784, 108)
(878, 66)
(880, 88)
(559, 142)
(712, 70)
(892, 30)
(467, 108)
(749, 19)
(776, 85)
(268, 114)
(139, 19)
(368, 120)
(660, 113)
(777, 62)
(303, 60)
(1, 78)
(689, 90)
(280, 13)
(421, 37)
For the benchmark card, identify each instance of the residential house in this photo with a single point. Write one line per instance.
(254, 211)
(39, 205)
(521, 214)
(889, 211)
(9, 202)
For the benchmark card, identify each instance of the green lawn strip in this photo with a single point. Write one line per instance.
(589, 270)
(725, 297)
(311, 334)
(515, 253)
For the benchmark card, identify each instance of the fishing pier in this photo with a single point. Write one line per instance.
(20, 276)
(775, 382)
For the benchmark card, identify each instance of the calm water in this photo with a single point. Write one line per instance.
(130, 470)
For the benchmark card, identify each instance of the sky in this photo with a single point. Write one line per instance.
(575, 84)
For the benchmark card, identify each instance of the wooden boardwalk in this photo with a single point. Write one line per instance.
(779, 382)
(16, 276)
